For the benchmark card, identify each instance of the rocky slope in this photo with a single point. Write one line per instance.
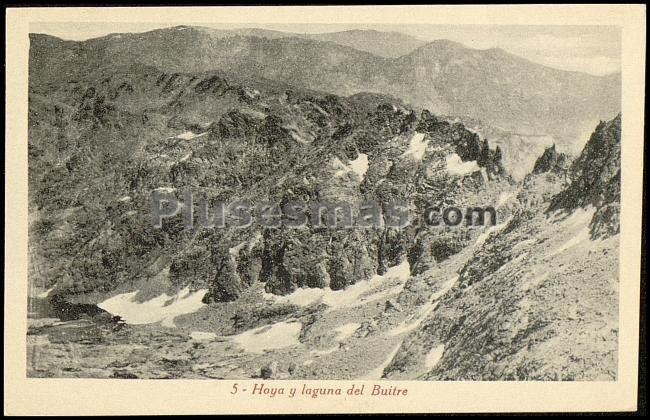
(539, 299)
(139, 129)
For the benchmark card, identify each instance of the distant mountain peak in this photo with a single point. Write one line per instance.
(380, 43)
(446, 44)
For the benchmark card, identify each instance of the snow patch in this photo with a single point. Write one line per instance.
(504, 197)
(320, 110)
(417, 146)
(202, 336)
(301, 297)
(427, 308)
(324, 352)
(234, 251)
(297, 137)
(189, 135)
(444, 289)
(456, 166)
(582, 236)
(252, 94)
(378, 372)
(405, 327)
(357, 294)
(433, 357)
(339, 167)
(255, 240)
(269, 337)
(251, 112)
(159, 309)
(346, 330)
(578, 219)
(495, 228)
(45, 294)
(165, 189)
(575, 226)
(359, 166)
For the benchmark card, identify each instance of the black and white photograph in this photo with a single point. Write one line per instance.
(276, 202)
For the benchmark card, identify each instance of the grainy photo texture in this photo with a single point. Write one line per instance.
(386, 202)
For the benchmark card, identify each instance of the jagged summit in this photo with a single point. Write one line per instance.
(596, 180)
(551, 161)
(595, 174)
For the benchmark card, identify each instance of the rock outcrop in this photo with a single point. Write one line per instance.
(596, 179)
(552, 161)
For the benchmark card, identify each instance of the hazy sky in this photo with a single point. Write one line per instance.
(591, 49)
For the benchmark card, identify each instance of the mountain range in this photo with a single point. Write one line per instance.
(379, 43)
(502, 90)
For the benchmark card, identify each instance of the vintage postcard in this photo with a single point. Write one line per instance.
(323, 209)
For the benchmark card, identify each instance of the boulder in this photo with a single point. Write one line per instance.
(269, 371)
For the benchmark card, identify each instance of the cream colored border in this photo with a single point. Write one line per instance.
(86, 396)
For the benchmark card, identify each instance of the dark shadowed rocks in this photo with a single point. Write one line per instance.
(226, 285)
(595, 174)
(551, 161)
(606, 221)
(270, 371)
(596, 179)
